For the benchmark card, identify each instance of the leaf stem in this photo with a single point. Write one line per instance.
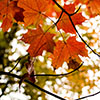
(75, 11)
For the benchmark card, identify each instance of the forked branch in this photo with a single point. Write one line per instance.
(75, 27)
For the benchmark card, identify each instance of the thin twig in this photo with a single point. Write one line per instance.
(75, 11)
(59, 18)
(61, 7)
(58, 27)
(91, 95)
(18, 60)
(66, 74)
(55, 23)
(15, 66)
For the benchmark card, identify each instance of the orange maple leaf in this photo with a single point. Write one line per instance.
(39, 41)
(7, 23)
(69, 8)
(93, 7)
(65, 24)
(34, 10)
(68, 51)
(8, 9)
(6, 14)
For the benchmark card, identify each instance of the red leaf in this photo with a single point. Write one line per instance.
(66, 24)
(33, 10)
(69, 8)
(39, 41)
(7, 23)
(19, 16)
(93, 7)
(8, 9)
(68, 51)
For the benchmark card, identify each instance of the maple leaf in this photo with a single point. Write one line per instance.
(39, 41)
(7, 23)
(93, 7)
(6, 14)
(73, 64)
(18, 14)
(8, 9)
(33, 10)
(65, 24)
(68, 51)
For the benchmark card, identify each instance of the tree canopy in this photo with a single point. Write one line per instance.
(50, 47)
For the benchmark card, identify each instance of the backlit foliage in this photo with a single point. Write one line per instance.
(55, 33)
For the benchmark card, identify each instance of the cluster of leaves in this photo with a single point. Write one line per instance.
(59, 37)
(35, 13)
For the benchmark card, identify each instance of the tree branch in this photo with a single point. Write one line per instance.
(61, 7)
(66, 74)
(75, 11)
(82, 38)
(43, 90)
(65, 10)
(75, 28)
(36, 86)
(91, 95)
(18, 60)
